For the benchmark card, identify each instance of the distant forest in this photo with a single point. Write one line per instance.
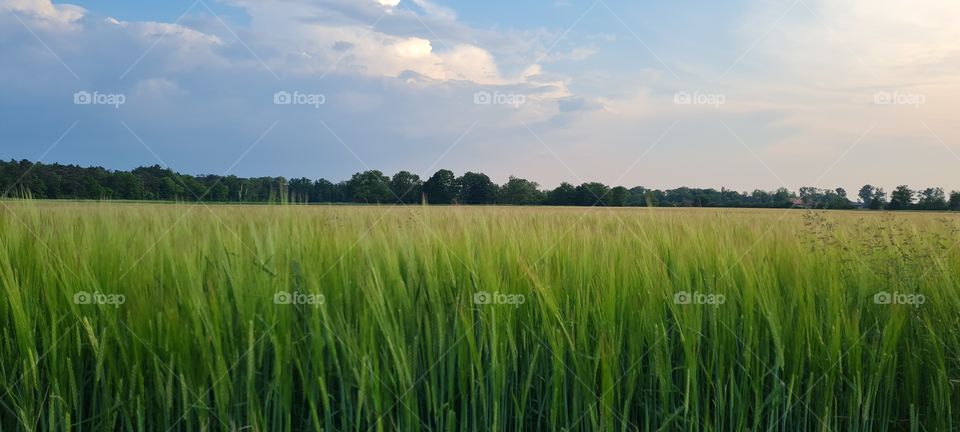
(56, 181)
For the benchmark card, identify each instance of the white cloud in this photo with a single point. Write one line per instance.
(399, 92)
(338, 36)
(46, 10)
(434, 10)
(155, 30)
(413, 48)
(575, 54)
(158, 88)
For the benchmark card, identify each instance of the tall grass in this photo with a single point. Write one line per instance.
(601, 340)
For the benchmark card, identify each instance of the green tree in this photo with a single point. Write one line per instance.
(298, 188)
(406, 186)
(518, 191)
(619, 196)
(127, 186)
(954, 201)
(592, 194)
(219, 192)
(47, 181)
(932, 199)
(476, 188)
(782, 198)
(879, 200)
(370, 187)
(169, 189)
(811, 197)
(50, 176)
(326, 192)
(901, 198)
(837, 199)
(441, 188)
(866, 195)
(638, 197)
(563, 195)
(193, 189)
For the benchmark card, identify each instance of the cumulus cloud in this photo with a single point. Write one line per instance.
(44, 10)
(404, 81)
(206, 90)
(334, 36)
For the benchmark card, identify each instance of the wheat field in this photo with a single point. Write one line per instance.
(365, 318)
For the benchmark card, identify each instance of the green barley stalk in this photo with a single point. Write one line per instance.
(600, 342)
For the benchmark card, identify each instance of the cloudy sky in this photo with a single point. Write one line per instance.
(741, 94)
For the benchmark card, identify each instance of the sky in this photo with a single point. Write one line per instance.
(738, 94)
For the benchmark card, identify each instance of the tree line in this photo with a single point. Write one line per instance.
(56, 181)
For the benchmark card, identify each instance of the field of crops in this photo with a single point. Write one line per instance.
(337, 318)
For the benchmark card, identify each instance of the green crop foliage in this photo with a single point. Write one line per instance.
(129, 317)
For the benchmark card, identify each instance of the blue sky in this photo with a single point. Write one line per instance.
(740, 94)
